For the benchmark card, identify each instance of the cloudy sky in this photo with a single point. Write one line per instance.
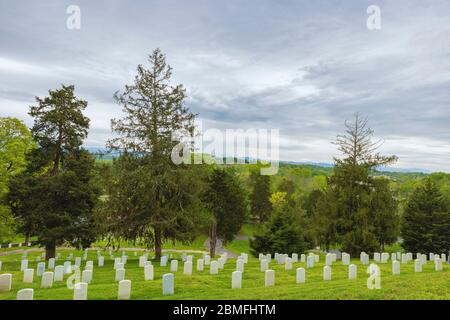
(302, 67)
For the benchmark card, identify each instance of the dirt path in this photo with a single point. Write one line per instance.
(220, 249)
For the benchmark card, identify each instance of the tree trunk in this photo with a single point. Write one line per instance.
(158, 243)
(212, 239)
(50, 250)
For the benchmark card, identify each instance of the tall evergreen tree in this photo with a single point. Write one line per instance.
(55, 195)
(260, 196)
(426, 220)
(349, 191)
(225, 200)
(154, 111)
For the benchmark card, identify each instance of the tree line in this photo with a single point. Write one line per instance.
(53, 188)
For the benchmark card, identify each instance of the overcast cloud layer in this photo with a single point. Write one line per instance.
(300, 66)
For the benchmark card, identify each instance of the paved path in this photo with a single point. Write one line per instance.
(220, 249)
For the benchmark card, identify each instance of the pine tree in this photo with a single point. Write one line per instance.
(426, 220)
(225, 200)
(260, 203)
(154, 111)
(55, 195)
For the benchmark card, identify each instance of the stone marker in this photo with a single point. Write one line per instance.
(244, 257)
(168, 284)
(302, 258)
(404, 258)
(269, 280)
(221, 262)
(327, 273)
(124, 259)
(148, 272)
(431, 255)
(80, 291)
(120, 265)
(437, 264)
(124, 292)
(101, 261)
(59, 273)
(117, 261)
(67, 267)
(288, 264)
(443, 257)
(78, 261)
(47, 279)
(200, 264)
(207, 259)
(264, 265)
(5, 282)
(24, 265)
(51, 263)
(395, 267)
(294, 257)
(316, 258)
(418, 265)
(300, 275)
(163, 261)
(187, 268)
(384, 257)
(120, 274)
(25, 294)
(214, 267)
(377, 257)
(393, 256)
(269, 257)
(40, 269)
(28, 275)
(310, 262)
(240, 265)
(352, 272)
(189, 258)
(423, 258)
(174, 266)
(86, 276)
(345, 259)
(142, 261)
(236, 280)
(328, 259)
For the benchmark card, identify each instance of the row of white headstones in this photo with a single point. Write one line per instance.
(82, 281)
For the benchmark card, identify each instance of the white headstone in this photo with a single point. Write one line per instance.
(67, 267)
(395, 267)
(78, 261)
(189, 258)
(124, 292)
(236, 280)
(5, 282)
(28, 275)
(404, 258)
(443, 257)
(377, 257)
(120, 265)
(25, 294)
(80, 291)
(117, 261)
(47, 280)
(300, 275)
(352, 274)
(86, 276)
(24, 265)
(101, 261)
(294, 257)
(264, 265)
(240, 265)
(142, 261)
(244, 257)
(124, 259)
(221, 262)
(120, 274)
(310, 262)
(269, 257)
(423, 257)
(316, 258)
(148, 272)
(269, 280)
(40, 269)
(187, 268)
(51, 263)
(393, 256)
(384, 257)
(288, 264)
(302, 258)
(327, 273)
(214, 267)
(207, 259)
(345, 259)
(200, 264)
(174, 266)
(431, 256)
(163, 261)
(437, 264)
(168, 284)
(328, 259)
(418, 265)
(59, 273)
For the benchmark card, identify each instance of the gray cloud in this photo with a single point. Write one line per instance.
(300, 66)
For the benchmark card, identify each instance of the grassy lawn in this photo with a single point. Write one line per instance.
(409, 285)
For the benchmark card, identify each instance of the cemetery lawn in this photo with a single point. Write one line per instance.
(408, 285)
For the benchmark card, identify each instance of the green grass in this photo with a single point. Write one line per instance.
(238, 246)
(409, 285)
